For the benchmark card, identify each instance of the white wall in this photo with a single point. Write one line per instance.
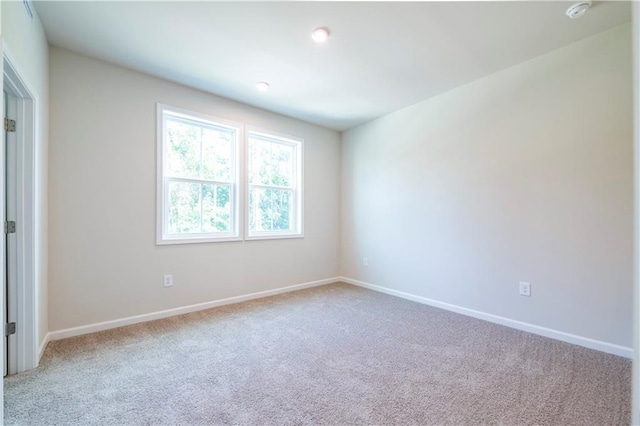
(105, 264)
(27, 47)
(525, 175)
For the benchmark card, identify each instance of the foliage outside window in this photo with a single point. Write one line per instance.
(274, 170)
(199, 178)
(201, 195)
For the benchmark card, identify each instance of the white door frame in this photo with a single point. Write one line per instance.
(10, 258)
(26, 339)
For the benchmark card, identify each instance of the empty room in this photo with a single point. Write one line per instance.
(322, 213)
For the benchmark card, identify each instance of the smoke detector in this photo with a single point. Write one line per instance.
(578, 9)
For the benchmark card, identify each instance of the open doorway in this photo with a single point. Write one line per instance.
(18, 207)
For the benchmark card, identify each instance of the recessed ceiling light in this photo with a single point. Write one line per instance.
(578, 9)
(262, 86)
(320, 35)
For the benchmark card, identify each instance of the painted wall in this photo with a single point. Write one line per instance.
(27, 47)
(105, 264)
(525, 175)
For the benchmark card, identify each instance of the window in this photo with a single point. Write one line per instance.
(203, 172)
(198, 178)
(274, 186)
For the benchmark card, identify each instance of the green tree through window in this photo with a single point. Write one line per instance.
(273, 184)
(202, 196)
(199, 177)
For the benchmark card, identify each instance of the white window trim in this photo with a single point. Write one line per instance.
(299, 196)
(238, 196)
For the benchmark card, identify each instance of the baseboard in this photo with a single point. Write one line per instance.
(43, 346)
(92, 328)
(519, 325)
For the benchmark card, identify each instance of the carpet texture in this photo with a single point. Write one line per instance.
(334, 355)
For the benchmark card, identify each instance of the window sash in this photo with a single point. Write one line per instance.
(294, 158)
(167, 209)
(293, 212)
(165, 234)
(168, 116)
(295, 219)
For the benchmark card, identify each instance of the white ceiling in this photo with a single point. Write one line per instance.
(380, 57)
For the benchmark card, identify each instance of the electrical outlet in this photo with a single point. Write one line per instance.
(168, 280)
(525, 289)
(365, 261)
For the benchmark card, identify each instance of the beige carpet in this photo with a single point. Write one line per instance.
(333, 355)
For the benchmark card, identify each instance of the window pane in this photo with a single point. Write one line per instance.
(184, 208)
(270, 209)
(217, 154)
(270, 163)
(183, 149)
(199, 165)
(216, 208)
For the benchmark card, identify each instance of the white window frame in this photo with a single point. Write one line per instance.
(237, 193)
(298, 190)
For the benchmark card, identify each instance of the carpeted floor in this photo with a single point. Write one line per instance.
(331, 355)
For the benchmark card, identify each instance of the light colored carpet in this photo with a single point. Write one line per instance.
(335, 354)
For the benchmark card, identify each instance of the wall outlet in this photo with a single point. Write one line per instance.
(365, 261)
(168, 280)
(525, 289)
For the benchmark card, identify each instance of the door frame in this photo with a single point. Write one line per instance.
(11, 248)
(26, 350)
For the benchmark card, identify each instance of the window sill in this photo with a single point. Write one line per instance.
(196, 240)
(274, 237)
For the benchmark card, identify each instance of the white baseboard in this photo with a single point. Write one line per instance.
(43, 346)
(519, 325)
(92, 328)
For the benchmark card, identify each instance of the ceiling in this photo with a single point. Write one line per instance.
(380, 57)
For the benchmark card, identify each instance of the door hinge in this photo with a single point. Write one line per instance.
(9, 125)
(10, 227)
(9, 328)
